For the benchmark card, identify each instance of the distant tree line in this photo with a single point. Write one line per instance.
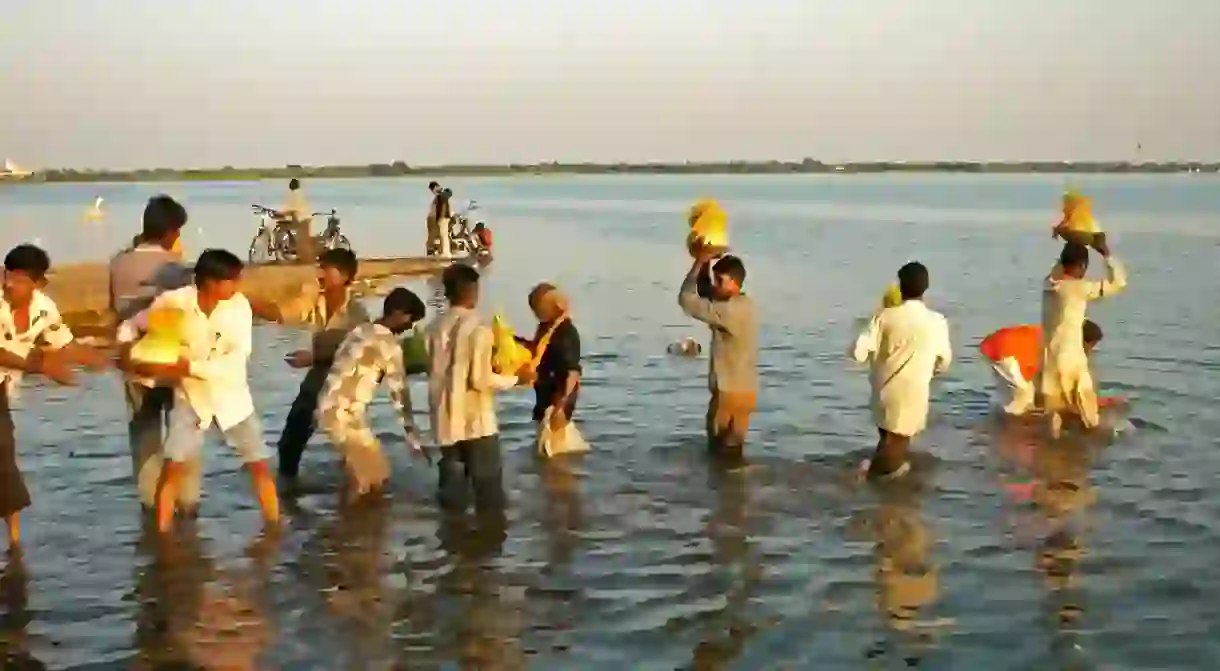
(806, 166)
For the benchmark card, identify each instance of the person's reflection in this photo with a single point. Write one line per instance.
(484, 631)
(1062, 493)
(356, 544)
(728, 531)
(563, 517)
(906, 576)
(192, 615)
(14, 599)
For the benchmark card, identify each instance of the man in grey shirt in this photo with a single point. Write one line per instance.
(733, 376)
(137, 276)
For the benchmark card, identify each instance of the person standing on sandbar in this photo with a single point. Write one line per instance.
(733, 374)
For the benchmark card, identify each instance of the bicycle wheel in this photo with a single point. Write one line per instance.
(286, 246)
(260, 249)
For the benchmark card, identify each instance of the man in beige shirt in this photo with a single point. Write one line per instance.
(330, 312)
(461, 399)
(297, 216)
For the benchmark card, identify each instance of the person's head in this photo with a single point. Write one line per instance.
(294, 184)
(1092, 335)
(164, 219)
(728, 276)
(913, 281)
(337, 268)
(434, 187)
(401, 310)
(461, 284)
(1074, 259)
(547, 302)
(218, 274)
(25, 270)
(479, 227)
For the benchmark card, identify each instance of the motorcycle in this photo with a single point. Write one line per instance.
(463, 240)
(275, 241)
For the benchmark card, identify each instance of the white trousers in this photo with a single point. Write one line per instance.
(1014, 394)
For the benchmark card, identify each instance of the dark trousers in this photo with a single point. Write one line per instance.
(472, 465)
(14, 497)
(301, 422)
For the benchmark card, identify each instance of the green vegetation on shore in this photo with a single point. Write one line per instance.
(807, 166)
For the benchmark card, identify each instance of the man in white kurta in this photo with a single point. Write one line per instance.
(905, 346)
(1064, 382)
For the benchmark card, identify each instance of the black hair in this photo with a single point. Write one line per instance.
(732, 267)
(913, 280)
(217, 265)
(458, 279)
(479, 226)
(343, 260)
(1092, 332)
(404, 301)
(1074, 255)
(294, 184)
(29, 259)
(162, 215)
(433, 185)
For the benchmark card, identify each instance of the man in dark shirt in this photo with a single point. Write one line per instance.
(557, 377)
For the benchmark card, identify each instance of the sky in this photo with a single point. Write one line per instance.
(149, 83)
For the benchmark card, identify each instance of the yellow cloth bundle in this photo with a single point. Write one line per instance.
(507, 355)
(892, 297)
(708, 224)
(1077, 214)
(163, 342)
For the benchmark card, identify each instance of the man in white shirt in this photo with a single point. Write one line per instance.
(461, 386)
(298, 217)
(905, 346)
(210, 379)
(33, 339)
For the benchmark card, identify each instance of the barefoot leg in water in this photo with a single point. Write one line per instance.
(264, 490)
(14, 530)
(167, 494)
(890, 459)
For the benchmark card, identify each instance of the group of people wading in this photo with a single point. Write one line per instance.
(348, 354)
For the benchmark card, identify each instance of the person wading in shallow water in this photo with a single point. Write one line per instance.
(330, 311)
(904, 346)
(733, 320)
(33, 339)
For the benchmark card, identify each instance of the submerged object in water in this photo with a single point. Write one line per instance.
(708, 225)
(688, 347)
(163, 342)
(508, 355)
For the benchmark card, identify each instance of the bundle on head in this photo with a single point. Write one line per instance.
(1078, 224)
(708, 225)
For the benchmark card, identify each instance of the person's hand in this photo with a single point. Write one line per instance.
(301, 358)
(558, 418)
(53, 366)
(1099, 243)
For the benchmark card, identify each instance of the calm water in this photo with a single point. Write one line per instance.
(640, 555)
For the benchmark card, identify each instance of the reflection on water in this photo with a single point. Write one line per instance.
(904, 571)
(194, 613)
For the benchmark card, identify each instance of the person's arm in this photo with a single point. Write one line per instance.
(13, 361)
(395, 377)
(482, 377)
(1115, 282)
(712, 313)
(569, 360)
(944, 355)
(868, 341)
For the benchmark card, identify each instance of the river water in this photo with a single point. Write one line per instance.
(1000, 553)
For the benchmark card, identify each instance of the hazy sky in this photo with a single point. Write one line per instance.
(144, 83)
